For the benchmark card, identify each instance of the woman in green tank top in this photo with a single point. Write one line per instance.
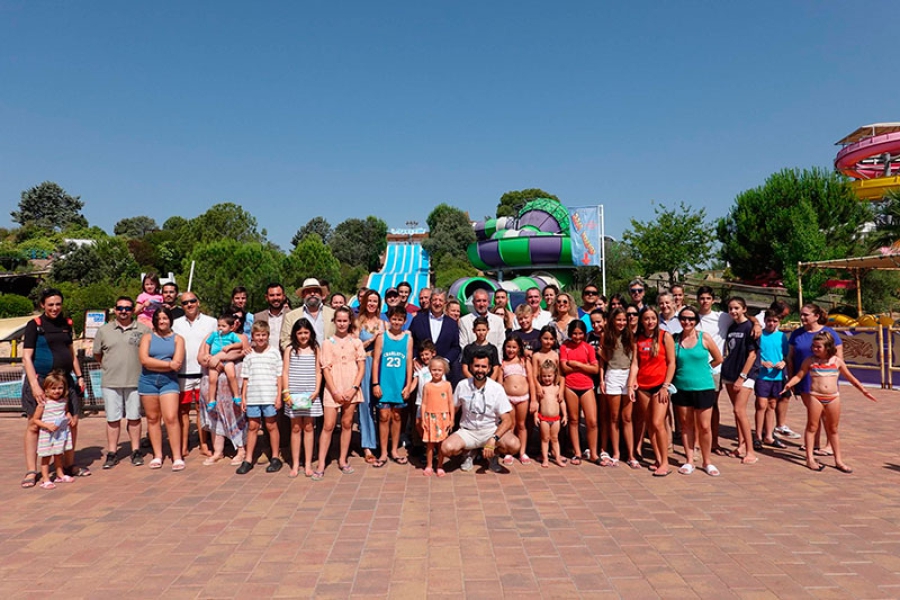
(695, 357)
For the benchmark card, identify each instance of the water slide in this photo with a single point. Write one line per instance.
(402, 262)
(537, 239)
(871, 155)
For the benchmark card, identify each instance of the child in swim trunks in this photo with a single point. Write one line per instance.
(824, 366)
(517, 382)
(551, 414)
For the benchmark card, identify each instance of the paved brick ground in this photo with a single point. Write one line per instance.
(774, 529)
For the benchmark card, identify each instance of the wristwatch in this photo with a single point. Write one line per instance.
(743, 376)
(496, 438)
(356, 387)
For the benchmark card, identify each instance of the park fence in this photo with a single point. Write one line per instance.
(12, 377)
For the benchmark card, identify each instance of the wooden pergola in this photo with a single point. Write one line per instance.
(887, 260)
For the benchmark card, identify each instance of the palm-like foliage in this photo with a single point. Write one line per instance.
(887, 222)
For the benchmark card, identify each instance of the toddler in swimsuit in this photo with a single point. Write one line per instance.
(824, 367)
(517, 383)
(551, 414)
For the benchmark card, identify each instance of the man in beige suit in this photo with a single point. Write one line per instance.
(320, 316)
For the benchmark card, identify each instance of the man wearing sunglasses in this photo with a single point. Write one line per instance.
(194, 327)
(116, 349)
(636, 290)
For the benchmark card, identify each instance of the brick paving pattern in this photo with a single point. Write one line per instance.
(774, 529)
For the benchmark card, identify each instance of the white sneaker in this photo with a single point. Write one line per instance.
(785, 431)
(468, 463)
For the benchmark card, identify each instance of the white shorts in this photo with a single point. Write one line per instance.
(119, 403)
(476, 438)
(748, 383)
(616, 382)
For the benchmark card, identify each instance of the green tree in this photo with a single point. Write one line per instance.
(449, 268)
(360, 242)
(13, 305)
(311, 258)
(794, 216)
(887, 223)
(318, 225)
(677, 241)
(107, 260)
(136, 227)
(449, 232)
(512, 202)
(225, 263)
(48, 206)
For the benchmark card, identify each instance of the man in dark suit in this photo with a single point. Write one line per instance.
(440, 329)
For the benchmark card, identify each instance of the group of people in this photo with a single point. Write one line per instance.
(426, 378)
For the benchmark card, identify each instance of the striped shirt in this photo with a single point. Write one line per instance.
(262, 370)
(302, 379)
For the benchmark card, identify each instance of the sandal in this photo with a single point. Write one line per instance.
(844, 468)
(318, 475)
(178, 465)
(65, 479)
(345, 469)
(400, 460)
(634, 464)
(47, 485)
(508, 460)
(524, 459)
(379, 463)
(720, 451)
(686, 469)
(711, 470)
(440, 472)
(31, 478)
(427, 472)
(211, 460)
(575, 460)
(370, 458)
(79, 471)
(156, 463)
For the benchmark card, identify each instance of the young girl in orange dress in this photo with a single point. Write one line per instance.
(343, 362)
(437, 414)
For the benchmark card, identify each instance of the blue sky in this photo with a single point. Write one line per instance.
(299, 109)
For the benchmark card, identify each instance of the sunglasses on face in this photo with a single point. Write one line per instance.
(689, 319)
(631, 314)
(636, 290)
(188, 302)
(588, 293)
(124, 309)
(562, 301)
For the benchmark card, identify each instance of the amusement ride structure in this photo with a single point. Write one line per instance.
(871, 156)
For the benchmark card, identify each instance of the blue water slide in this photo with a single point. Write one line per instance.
(402, 262)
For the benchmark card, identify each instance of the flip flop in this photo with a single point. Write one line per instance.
(818, 468)
(370, 458)
(655, 474)
(720, 451)
(345, 469)
(818, 452)
(378, 463)
(575, 460)
(30, 480)
(400, 460)
(844, 468)
(318, 475)
(749, 461)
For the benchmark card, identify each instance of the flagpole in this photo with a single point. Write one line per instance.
(602, 245)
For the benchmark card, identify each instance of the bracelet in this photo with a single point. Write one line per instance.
(375, 383)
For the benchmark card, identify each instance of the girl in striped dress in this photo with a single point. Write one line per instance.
(302, 382)
(53, 418)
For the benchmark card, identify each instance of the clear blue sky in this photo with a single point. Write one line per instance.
(299, 109)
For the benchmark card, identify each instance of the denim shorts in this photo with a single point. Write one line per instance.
(157, 384)
(258, 411)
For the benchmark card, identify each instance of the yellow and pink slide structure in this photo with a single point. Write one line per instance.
(871, 156)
